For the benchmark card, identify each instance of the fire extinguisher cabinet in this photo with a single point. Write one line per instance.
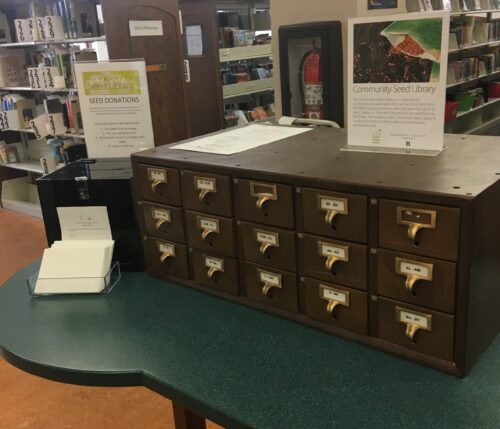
(311, 71)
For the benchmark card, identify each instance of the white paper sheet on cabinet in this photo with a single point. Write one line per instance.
(240, 139)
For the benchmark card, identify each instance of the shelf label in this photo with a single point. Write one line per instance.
(329, 203)
(214, 263)
(208, 224)
(160, 214)
(423, 321)
(270, 278)
(267, 237)
(330, 294)
(340, 252)
(205, 184)
(415, 269)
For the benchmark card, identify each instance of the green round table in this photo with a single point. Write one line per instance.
(237, 366)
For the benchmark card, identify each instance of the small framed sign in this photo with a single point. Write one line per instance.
(382, 4)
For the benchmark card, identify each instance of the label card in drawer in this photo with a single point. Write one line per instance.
(166, 248)
(336, 204)
(208, 224)
(413, 268)
(270, 278)
(331, 294)
(161, 214)
(157, 174)
(425, 218)
(339, 252)
(216, 263)
(205, 184)
(423, 321)
(267, 237)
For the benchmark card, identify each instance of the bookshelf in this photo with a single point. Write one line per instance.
(247, 88)
(243, 53)
(80, 39)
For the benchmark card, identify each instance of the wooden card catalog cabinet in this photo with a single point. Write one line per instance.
(394, 252)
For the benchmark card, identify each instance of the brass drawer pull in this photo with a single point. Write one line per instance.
(330, 262)
(270, 280)
(262, 199)
(155, 184)
(167, 251)
(413, 271)
(212, 271)
(214, 265)
(331, 306)
(416, 220)
(333, 207)
(159, 223)
(330, 216)
(334, 297)
(165, 256)
(414, 321)
(208, 226)
(203, 194)
(263, 192)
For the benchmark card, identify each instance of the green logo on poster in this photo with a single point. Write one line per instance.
(119, 82)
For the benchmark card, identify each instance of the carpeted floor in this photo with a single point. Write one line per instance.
(30, 402)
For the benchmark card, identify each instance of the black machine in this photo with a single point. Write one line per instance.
(100, 182)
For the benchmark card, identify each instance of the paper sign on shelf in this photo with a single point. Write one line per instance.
(114, 101)
(397, 82)
(39, 126)
(55, 124)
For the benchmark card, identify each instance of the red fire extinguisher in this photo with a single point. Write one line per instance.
(311, 84)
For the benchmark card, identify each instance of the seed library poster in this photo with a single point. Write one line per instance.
(397, 82)
(114, 102)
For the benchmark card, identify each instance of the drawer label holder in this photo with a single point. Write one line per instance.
(334, 297)
(267, 240)
(333, 207)
(413, 271)
(214, 265)
(416, 219)
(157, 176)
(208, 226)
(167, 250)
(333, 253)
(270, 280)
(263, 192)
(414, 321)
(206, 186)
(161, 217)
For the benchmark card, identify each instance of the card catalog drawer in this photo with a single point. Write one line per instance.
(271, 286)
(335, 214)
(417, 280)
(159, 184)
(166, 256)
(333, 261)
(163, 221)
(209, 193)
(417, 228)
(263, 202)
(215, 271)
(336, 305)
(416, 328)
(210, 233)
(269, 246)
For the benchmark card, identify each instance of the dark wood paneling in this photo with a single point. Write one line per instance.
(166, 87)
(204, 92)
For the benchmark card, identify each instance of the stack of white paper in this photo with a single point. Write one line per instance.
(75, 266)
(81, 261)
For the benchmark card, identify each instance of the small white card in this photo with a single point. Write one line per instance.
(84, 223)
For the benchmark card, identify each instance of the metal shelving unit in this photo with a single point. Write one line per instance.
(53, 42)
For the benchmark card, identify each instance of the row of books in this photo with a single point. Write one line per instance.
(241, 72)
(451, 5)
(23, 110)
(48, 69)
(234, 37)
(469, 30)
(472, 67)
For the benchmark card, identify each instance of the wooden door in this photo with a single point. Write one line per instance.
(204, 91)
(163, 56)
